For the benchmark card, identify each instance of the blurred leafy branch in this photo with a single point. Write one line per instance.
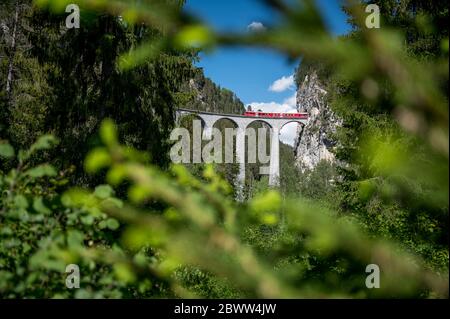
(201, 227)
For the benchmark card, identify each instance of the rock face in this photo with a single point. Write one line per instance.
(313, 143)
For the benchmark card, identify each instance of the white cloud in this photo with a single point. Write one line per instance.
(256, 27)
(292, 101)
(288, 105)
(283, 84)
(271, 107)
(289, 131)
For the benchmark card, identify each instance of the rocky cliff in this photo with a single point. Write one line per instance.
(314, 143)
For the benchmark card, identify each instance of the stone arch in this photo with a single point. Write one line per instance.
(236, 124)
(228, 128)
(257, 146)
(184, 115)
(265, 121)
(289, 130)
(292, 121)
(186, 120)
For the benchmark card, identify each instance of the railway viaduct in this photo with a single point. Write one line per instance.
(242, 122)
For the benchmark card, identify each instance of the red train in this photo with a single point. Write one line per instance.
(277, 115)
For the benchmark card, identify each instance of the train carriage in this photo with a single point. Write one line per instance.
(277, 115)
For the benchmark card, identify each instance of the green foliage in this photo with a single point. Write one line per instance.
(146, 231)
(201, 228)
(207, 96)
(40, 236)
(65, 83)
(6, 150)
(391, 176)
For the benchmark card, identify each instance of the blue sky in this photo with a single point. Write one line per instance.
(250, 72)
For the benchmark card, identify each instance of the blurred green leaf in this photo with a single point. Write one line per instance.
(103, 191)
(41, 171)
(39, 206)
(44, 142)
(108, 132)
(6, 150)
(97, 159)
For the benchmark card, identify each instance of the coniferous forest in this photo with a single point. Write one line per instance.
(86, 179)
